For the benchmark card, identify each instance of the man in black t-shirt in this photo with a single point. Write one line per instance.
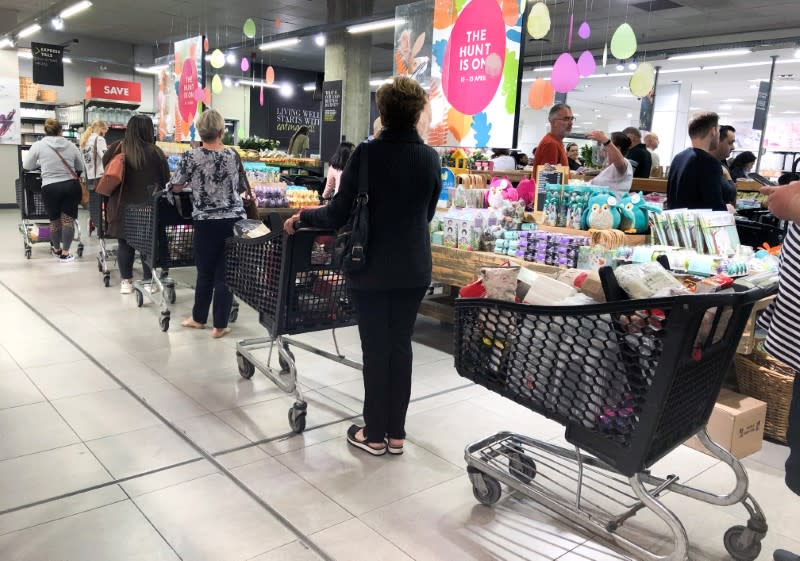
(727, 142)
(694, 175)
(639, 155)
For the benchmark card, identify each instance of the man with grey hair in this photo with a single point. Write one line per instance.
(551, 148)
(638, 155)
(652, 142)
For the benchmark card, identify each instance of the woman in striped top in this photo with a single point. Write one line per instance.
(783, 321)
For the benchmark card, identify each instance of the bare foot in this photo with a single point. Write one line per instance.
(396, 442)
(189, 322)
(361, 437)
(219, 333)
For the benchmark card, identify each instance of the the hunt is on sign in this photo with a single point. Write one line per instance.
(113, 90)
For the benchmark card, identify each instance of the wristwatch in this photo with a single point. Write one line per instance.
(607, 142)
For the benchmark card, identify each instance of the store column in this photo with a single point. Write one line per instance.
(348, 58)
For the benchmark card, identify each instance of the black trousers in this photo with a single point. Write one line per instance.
(386, 322)
(793, 437)
(62, 198)
(209, 258)
(125, 256)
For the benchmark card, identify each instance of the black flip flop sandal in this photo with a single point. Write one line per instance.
(362, 444)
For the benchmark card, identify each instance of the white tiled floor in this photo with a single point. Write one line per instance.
(87, 472)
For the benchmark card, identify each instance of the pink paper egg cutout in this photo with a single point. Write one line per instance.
(245, 64)
(586, 64)
(565, 74)
(584, 31)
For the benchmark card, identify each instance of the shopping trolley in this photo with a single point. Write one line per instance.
(97, 214)
(34, 220)
(630, 381)
(163, 233)
(290, 282)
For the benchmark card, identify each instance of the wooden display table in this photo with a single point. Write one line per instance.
(660, 185)
(514, 176)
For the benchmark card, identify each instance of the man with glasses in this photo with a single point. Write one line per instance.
(551, 148)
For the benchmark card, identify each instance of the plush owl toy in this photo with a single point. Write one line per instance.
(634, 211)
(602, 213)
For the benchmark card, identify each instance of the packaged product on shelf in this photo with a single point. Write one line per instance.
(719, 231)
(552, 203)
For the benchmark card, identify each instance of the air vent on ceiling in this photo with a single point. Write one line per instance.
(656, 5)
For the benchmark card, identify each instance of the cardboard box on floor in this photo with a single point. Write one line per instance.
(736, 424)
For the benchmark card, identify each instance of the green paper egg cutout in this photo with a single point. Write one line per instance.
(216, 84)
(643, 80)
(241, 132)
(217, 59)
(249, 28)
(539, 20)
(623, 43)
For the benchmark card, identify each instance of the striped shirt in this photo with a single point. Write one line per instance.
(782, 318)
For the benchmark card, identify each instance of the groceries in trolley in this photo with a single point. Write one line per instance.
(250, 229)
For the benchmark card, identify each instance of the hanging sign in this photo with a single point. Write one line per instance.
(113, 90)
(762, 107)
(48, 64)
(331, 118)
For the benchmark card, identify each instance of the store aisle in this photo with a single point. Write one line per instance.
(120, 442)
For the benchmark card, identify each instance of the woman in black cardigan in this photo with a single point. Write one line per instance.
(404, 177)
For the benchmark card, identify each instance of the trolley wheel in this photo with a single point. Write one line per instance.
(163, 323)
(234, 315)
(80, 250)
(492, 493)
(246, 368)
(738, 550)
(285, 366)
(297, 419)
(522, 467)
(27, 253)
(107, 280)
(169, 293)
(139, 297)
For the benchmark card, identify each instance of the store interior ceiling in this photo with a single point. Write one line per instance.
(663, 27)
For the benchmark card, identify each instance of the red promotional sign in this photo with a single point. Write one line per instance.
(113, 90)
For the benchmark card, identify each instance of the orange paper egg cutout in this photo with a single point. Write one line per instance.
(458, 124)
(270, 76)
(444, 14)
(541, 94)
(510, 11)
(205, 45)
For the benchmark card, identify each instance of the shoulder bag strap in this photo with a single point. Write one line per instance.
(94, 158)
(243, 173)
(72, 172)
(363, 173)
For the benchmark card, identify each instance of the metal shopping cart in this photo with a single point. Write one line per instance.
(34, 221)
(97, 213)
(630, 381)
(290, 282)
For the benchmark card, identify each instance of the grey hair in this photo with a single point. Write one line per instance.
(555, 109)
(210, 125)
(633, 131)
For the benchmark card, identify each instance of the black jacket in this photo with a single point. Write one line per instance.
(404, 184)
(642, 161)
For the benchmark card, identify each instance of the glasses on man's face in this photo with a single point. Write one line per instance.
(567, 119)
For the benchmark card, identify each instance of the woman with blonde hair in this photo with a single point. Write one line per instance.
(93, 147)
(214, 174)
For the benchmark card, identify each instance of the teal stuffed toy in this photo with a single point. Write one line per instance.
(602, 213)
(634, 210)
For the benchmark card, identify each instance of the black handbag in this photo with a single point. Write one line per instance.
(350, 248)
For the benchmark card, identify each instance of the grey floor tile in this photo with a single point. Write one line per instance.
(293, 441)
(220, 390)
(32, 478)
(212, 519)
(771, 454)
(7, 362)
(104, 413)
(214, 435)
(32, 428)
(17, 389)
(358, 481)
(70, 379)
(302, 505)
(170, 402)
(168, 478)
(125, 536)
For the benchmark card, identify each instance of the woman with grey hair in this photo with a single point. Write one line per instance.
(213, 172)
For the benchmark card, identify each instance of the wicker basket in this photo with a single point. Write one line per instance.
(768, 379)
(48, 96)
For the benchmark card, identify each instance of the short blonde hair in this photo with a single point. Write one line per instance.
(210, 125)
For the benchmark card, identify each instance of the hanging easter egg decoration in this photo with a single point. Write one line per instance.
(565, 74)
(605, 55)
(571, 26)
(541, 94)
(205, 45)
(584, 31)
(241, 132)
(586, 64)
(539, 20)
(249, 28)
(245, 66)
(217, 59)
(261, 96)
(510, 11)
(623, 42)
(207, 95)
(216, 84)
(270, 75)
(643, 80)
(444, 14)
(278, 23)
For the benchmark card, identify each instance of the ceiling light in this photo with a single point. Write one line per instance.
(75, 8)
(252, 83)
(379, 81)
(280, 43)
(309, 87)
(66, 60)
(543, 69)
(791, 112)
(6, 42)
(286, 90)
(150, 69)
(723, 114)
(630, 115)
(711, 54)
(587, 122)
(57, 23)
(725, 107)
(599, 117)
(633, 65)
(700, 92)
(694, 109)
(681, 70)
(524, 80)
(227, 82)
(625, 95)
(30, 30)
(320, 40)
(620, 67)
(733, 100)
(375, 25)
(25, 54)
(788, 88)
(230, 58)
(797, 53)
